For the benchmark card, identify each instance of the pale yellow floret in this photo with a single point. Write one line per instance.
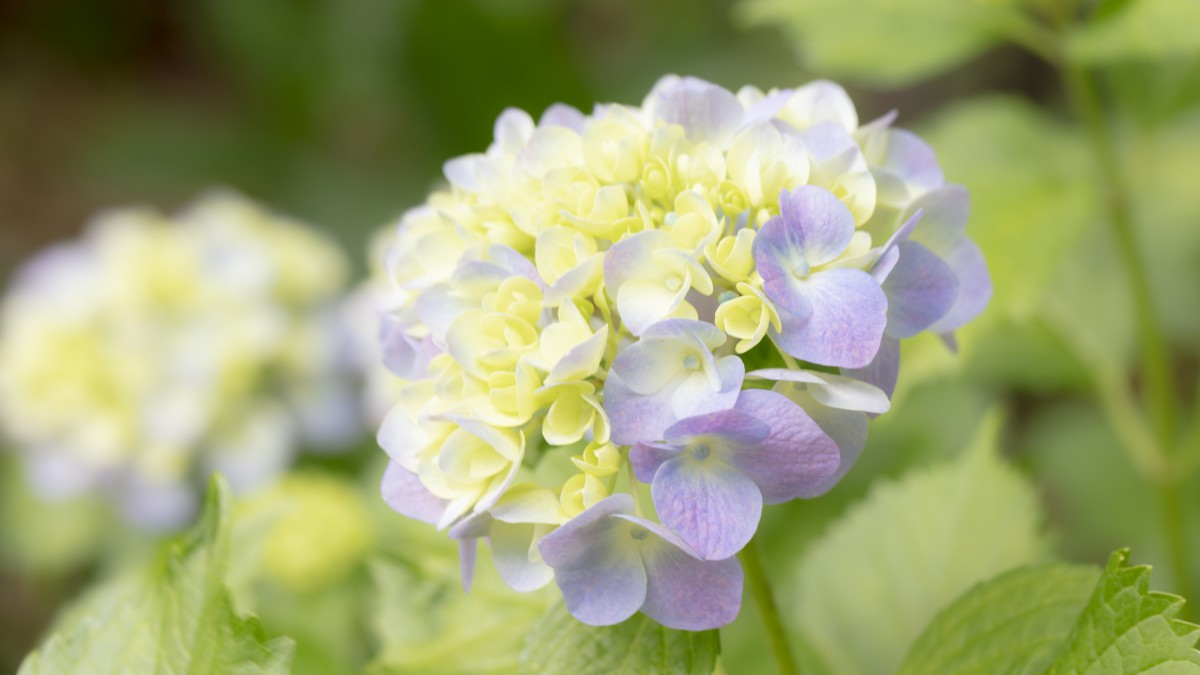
(615, 145)
(747, 317)
(573, 410)
(560, 250)
(516, 295)
(732, 258)
(762, 162)
(485, 342)
(582, 491)
(472, 465)
(695, 224)
(528, 502)
(571, 335)
(599, 459)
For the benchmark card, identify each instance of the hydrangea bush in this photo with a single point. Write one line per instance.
(155, 349)
(622, 334)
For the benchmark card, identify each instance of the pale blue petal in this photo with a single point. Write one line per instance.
(634, 417)
(974, 286)
(683, 329)
(818, 223)
(733, 425)
(404, 355)
(920, 290)
(468, 550)
(650, 364)
(706, 111)
(883, 370)
(849, 313)
(474, 526)
(403, 491)
(462, 172)
(642, 303)
(944, 223)
(686, 593)
(848, 429)
(647, 457)
(563, 115)
(694, 395)
(710, 505)
(835, 391)
(787, 294)
(511, 545)
(631, 254)
(597, 565)
(795, 459)
(911, 160)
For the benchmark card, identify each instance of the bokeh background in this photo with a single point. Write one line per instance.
(341, 112)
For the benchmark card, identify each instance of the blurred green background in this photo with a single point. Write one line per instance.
(342, 111)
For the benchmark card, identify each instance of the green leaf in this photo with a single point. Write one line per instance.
(1144, 29)
(884, 42)
(1015, 623)
(641, 645)
(895, 559)
(1060, 619)
(426, 623)
(177, 618)
(1127, 628)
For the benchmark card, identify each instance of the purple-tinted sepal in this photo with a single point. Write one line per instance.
(942, 230)
(405, 355)
(920, 289)
(514, 546)
(562, 115)
(833, 316)
(403, 492)
(974, 286)
(883, 371)
(468, 552)
(838, 405)
(670, 374)
(834, 391)
(707, 112)
(609, 564)
(713, 474)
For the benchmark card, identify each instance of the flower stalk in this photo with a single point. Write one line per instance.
(1155, 360)
(760, 588)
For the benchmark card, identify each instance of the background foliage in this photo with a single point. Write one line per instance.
(341, 112)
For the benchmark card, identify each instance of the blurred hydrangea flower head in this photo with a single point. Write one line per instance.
(155, 349)
(619, 335)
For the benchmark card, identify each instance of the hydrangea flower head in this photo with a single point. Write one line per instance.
(156, 349)
(571, 314)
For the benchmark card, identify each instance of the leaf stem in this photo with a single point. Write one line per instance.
(760, 588)
(1156, 368)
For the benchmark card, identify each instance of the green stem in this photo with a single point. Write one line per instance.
(1160, 389)
(1156, 368)
(1177, 543)
(760, 588)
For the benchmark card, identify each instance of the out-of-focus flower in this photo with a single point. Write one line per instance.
(155, 349)
(568, 316)
(317, 527)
